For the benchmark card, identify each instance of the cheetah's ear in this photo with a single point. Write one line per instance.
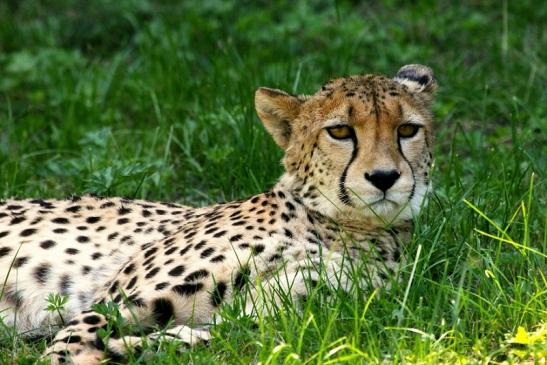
(418, 79)
(277, 110)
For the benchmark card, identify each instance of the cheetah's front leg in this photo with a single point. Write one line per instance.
(79, 342)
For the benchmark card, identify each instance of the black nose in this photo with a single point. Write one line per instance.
(383, 180)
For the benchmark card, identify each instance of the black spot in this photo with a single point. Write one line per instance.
(257, 249)
(235, 238)
(107, 205)
(255, 199)
(171, 250)
(148, 261)
(131, 283)
(275, 257)
(200, 245)
(177, 271)
(151, 251)
(288, 233)
(184, 250)
(129, 269)
(162, 285)
(190, 235)
(47, 244)
(396, 255)
(219, 234)
(198, 274)
(114, 287)
(92, 319)
(169, 241)
(82, 239)
(27, 232)
(187, 289)
(81, 228)
(60, 220)
(111, 236)
(85, 270)
(211, 230)
(217, 296)
(218, 258)
(41, 273)
(123, 221)
(20, 261)
(4, 251)
(285, 217)
(207, 252)
(60, 230)
(163, 311)
(146, 213)
(36, 221)
(93, 219)
(14, 207)
(160, 211)
(71, 251)
(152, 273)
(96, 255)
(4, 234)
(65, 284)
(70, 339)
(73, 209)
(242, 277)
(124, 210)
(136, 301)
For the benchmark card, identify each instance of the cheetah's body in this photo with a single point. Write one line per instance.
(353, 180)
(55, 245)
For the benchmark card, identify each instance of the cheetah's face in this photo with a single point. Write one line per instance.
(359, 147)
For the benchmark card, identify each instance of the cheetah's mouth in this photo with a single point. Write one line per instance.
(384, 202)
(383, 207)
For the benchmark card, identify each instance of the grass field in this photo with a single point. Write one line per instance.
(153, 101)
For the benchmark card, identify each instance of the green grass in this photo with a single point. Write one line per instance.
(155, 101)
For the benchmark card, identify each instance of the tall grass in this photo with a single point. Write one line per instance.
(155, 100)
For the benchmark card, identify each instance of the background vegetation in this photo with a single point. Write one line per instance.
(154, 99)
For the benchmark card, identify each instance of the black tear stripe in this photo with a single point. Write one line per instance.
(411, 170)
(343, 193)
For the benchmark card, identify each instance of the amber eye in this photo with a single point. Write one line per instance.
(340, 132)
(408, 130)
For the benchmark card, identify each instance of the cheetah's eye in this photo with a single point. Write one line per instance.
(340, 131)
(408, 130)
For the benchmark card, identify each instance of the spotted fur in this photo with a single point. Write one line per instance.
(353, 181)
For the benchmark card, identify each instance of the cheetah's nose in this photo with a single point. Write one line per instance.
(383, 180)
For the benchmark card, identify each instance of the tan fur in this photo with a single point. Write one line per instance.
(339, 200)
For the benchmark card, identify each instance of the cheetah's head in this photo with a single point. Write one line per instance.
(360, 147)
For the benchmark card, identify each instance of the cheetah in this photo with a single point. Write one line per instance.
(357, 159)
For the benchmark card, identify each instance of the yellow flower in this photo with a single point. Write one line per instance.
(525, 338)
